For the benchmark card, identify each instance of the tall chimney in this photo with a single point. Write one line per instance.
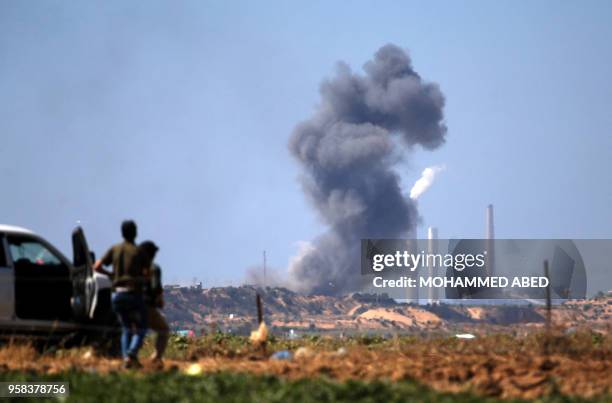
(432, 249)
(490, 240)
(490, 231)
(412, 293)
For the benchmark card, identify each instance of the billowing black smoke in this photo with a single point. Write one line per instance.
(347, 150)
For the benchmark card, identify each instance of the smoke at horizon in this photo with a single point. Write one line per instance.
(347, 151)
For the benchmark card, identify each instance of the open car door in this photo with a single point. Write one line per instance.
(83, 284)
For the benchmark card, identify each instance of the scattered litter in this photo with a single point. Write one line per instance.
(87, 355)
(303, 352)
(194, 369)
(282, 355)
(465, 336)
(341, 352)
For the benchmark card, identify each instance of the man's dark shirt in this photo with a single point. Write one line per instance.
(128, 266)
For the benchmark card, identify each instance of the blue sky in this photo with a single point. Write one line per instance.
(177, 114)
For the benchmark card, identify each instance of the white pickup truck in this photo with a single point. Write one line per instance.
(44, 294)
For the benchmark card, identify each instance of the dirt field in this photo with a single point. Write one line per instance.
(578, 364)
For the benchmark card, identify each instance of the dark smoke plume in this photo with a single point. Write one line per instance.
(347, 151)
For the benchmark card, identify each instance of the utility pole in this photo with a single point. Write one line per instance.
(264, 269)
(548, 311)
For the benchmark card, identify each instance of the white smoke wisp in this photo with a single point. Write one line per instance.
(425, 181)
(304, 249)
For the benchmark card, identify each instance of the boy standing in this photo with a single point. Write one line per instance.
(128, 277)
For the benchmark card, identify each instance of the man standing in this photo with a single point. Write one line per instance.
(128, 277)
(154, 299)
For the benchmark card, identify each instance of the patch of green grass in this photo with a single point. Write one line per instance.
(233, 387)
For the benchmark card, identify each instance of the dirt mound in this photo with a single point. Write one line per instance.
(387, 314)
(499, 375)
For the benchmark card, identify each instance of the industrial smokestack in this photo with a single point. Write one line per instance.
(432, 249)
(490, 232)
(364, 125)
(490, 241)
(412, 293)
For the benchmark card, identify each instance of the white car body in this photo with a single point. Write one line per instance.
(33, 269)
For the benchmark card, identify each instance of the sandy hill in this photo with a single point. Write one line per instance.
(235, 308)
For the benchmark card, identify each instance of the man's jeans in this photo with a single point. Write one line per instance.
(132, 313)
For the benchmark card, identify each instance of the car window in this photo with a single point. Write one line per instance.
(32, 251)
(2, 253)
